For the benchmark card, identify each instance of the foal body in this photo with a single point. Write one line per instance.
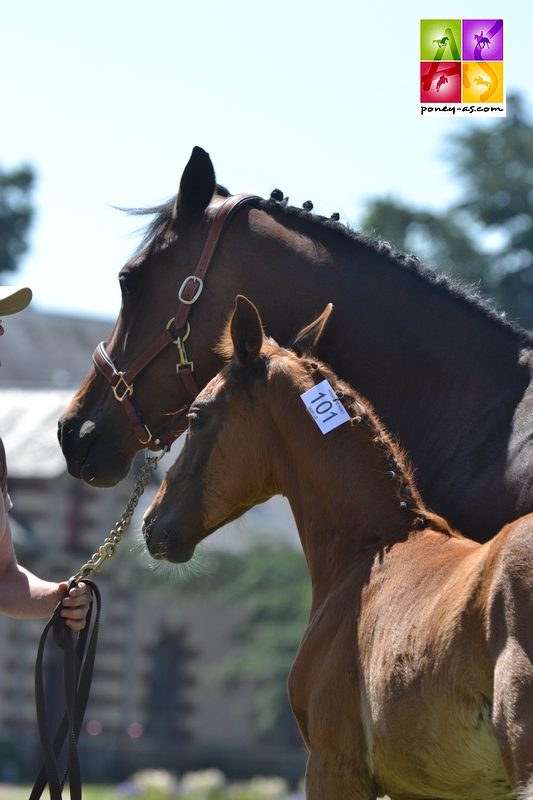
(414, 677)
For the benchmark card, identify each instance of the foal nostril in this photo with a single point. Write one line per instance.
(147, 526)
(158, 548)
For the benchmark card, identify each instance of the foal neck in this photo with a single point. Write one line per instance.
(351, 490)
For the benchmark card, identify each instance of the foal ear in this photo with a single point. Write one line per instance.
(246, 332)
(197, 185)
(308, 338)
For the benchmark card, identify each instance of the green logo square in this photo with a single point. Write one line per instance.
(440, 39)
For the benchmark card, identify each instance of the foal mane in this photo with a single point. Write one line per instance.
(397, 466)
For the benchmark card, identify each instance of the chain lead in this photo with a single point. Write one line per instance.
(109, 547)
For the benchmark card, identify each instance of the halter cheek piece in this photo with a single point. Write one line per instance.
(177, 332)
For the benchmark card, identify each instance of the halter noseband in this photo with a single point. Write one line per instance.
(176, 332)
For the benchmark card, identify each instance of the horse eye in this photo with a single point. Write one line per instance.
(196, 421)
(127, 283)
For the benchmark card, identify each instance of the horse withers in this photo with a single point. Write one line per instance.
(414, 677)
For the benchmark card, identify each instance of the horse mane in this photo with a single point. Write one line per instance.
(452, 287)
(161, 228)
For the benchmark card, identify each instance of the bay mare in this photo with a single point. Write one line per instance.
(448, 376)
(414, 677)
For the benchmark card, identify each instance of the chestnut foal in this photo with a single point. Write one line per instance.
(414, 677)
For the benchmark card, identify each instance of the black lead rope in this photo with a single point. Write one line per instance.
(78, 664)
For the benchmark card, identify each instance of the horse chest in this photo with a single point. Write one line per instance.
(323, 683)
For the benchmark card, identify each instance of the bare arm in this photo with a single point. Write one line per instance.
(24, 595)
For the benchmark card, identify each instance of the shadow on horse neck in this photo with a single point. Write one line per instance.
(447, 374)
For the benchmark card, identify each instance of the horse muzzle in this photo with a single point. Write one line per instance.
(163, 544)
(91, 454)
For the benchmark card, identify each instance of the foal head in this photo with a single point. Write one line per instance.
(230, 460)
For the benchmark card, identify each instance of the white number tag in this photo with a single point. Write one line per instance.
(325, 407)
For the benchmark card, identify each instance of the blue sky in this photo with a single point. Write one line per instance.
(107, 99)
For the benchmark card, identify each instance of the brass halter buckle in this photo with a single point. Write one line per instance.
(183, 361)
(125, 387)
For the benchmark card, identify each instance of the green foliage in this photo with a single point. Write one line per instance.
(438, 239)
(487, 237)
(15, 215)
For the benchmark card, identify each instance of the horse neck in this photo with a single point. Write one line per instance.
(409, 344)
(388, 309)
(345, 502)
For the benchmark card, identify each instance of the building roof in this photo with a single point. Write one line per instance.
(28, 427)
(48, 350)
(44, 358)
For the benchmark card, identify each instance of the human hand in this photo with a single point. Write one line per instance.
(76, 605)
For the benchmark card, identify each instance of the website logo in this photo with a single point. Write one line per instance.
(461, 67)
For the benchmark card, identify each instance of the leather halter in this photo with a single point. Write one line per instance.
(176, 332)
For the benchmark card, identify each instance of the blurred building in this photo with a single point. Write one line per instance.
(153, 697)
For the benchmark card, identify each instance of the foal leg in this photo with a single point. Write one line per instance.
(334, 777)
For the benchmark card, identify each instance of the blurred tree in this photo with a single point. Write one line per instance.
(16, 214)
(171, 676)
(270, 587)
(487, 237)
(272, 590)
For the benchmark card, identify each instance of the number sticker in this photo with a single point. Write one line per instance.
(325, 407)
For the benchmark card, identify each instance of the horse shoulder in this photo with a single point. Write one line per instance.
(510, 641)
(510, 594)
(520, 447)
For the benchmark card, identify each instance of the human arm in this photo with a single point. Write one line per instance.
(24, 595)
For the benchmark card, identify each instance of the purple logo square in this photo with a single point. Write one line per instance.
(482, 40)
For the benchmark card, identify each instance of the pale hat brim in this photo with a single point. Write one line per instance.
(14, 299)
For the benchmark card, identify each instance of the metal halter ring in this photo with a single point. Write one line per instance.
(185, 336)
(197, 291)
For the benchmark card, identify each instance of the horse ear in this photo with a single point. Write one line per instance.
(197, 185)
(308, 338)
(246, 332)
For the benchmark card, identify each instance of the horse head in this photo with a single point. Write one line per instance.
(98, 439)
(229, 462)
